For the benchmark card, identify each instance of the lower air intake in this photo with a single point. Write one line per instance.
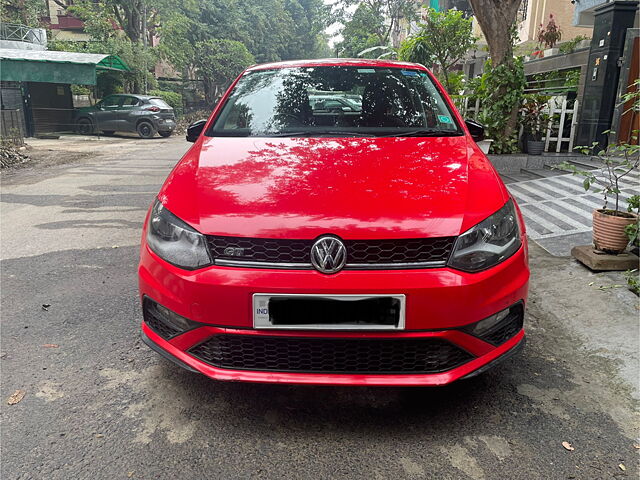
(331, 355)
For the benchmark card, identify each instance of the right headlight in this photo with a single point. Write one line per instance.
(175, 241)
(488, 243)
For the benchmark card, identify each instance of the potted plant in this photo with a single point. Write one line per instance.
(611, 226)
(549, 36)
(535, 121)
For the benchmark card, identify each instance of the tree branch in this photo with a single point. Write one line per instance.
(61, 4)
(118, 16)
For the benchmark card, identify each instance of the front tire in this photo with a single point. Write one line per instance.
(145, 130)
(84, 126)
(166, 134)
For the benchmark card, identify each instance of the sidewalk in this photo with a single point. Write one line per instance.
(556, 208)
(558, 211)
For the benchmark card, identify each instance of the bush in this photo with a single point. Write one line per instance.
(172, 98)
(570, 46)
(503, 88)
(456, 82)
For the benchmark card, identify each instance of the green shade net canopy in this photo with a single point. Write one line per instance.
(55, 67)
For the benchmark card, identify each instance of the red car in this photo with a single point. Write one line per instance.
(334, 223)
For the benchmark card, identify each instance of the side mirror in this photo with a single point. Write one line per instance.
(475, 129)
(194, 130)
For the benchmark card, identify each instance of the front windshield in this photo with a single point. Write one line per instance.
(335, 100)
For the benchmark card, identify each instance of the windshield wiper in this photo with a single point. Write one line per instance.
(425, 133)
(324, 132)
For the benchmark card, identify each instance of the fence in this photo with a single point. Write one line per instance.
(22, 33)
(11, 127)
(561, 130)
(567, 116)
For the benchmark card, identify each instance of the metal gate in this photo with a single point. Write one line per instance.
(12, 110)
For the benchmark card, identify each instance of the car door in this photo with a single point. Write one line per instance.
(106, 115)
(128, 113)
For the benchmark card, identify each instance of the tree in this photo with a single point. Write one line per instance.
(496, 19)
(219, 62)
(384, 16)
(359, 33)
(444, 39)
(25, 12)
(504, 82)
(137, 58)
(270, 29)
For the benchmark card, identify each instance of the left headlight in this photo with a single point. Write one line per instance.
(175, 241)
(488, 243)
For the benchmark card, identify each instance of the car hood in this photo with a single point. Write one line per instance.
(356, 188)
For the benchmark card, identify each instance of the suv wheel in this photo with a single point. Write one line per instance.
(145, 130)
(84, 126)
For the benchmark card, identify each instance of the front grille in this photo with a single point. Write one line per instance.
(360, 253)
(399, 251)
(331, 355)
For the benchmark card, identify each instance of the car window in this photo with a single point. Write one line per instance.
(158, 102)
(335, 99)
(111, 101)
(130, 102)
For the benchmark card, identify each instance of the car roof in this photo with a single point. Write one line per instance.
(336, 62)
(141, 97)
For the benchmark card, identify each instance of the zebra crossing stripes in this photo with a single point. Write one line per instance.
(558, 206)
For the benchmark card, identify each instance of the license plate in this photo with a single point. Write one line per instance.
(329, 312)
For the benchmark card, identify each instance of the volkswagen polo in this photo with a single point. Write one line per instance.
(368, 245)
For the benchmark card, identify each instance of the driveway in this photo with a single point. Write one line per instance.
(99, 404)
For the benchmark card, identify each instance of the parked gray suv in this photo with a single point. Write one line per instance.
(143, 114)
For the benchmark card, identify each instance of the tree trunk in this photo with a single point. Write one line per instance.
(129, 15)
(495, 18)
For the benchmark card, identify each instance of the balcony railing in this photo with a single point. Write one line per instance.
(22, 33)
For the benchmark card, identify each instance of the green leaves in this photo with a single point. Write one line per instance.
(219, 62)
(363, 31)
(503, 86)
(618, 160)
(444, 38)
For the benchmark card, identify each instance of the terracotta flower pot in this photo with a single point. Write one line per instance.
(608, 230)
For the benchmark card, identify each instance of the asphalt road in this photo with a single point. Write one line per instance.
(99, 404)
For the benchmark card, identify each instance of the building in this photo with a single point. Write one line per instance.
(612, 67)
(62, 25)
(35, 84)
(533, 13)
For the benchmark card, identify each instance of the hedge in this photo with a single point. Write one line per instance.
(172, 98)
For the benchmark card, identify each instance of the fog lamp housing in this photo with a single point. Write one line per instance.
(165, 322)
(500, 327)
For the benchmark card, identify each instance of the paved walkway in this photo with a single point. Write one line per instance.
(558, 211)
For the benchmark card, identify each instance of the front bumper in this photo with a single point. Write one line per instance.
(439, 302)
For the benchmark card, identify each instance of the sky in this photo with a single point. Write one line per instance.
(333, 30)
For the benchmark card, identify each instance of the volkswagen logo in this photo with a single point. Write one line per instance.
(328, 255)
